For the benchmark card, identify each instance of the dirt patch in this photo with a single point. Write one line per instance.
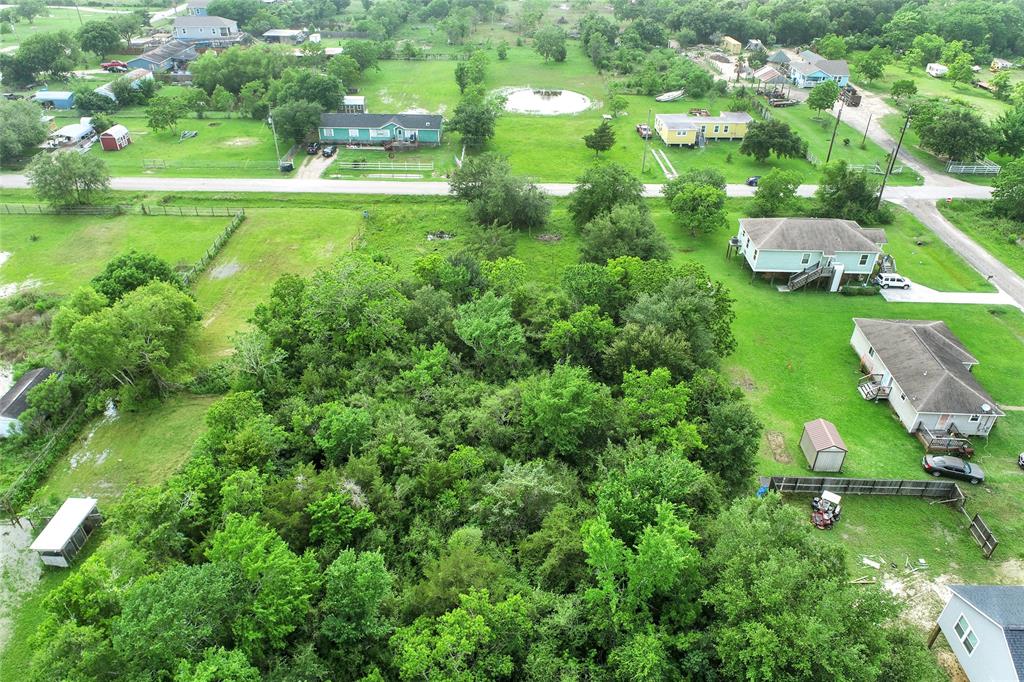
(226, 270)
(741, 377)
(1011, 571)
(777, 444)
(8, 290)
(549, 238)
(213, 125)
(242, 142)
(415, 110)
(947, 659)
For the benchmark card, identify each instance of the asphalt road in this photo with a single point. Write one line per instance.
(414, 188)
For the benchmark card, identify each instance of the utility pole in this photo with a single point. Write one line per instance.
(835, 129)
(647, 143)
(864, 139)
(892, 161)
(277, 150)
(79, 13)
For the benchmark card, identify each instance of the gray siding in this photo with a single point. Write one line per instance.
(990, 661)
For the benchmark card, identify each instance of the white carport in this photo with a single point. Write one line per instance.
(66, 533)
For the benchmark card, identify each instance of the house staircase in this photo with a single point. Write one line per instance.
(871, 388)
(805, 277)
(887, 265)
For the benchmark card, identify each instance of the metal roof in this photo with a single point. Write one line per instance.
(172, 49)
(824, 435)
(417, 121)
(64, 524)
(52, 95)
(15, 401)
(687, 122)
(282, 32)
(115, 131)
(930, 364)
(191, 21)
(828, 235)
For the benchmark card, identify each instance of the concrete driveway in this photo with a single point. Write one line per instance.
(918, 293)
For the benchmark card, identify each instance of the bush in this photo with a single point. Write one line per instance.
(859, 290)
(212, 380)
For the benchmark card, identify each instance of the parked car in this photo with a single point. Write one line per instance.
(114, 67)
(954, 467)
(312, 147)
(328, 151)
(286, 166)
(13, 96)
(888, 280)
(753, 180)
(113, 62)
(643, 130)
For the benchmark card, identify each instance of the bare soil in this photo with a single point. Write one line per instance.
(777, 445)
(226, 270)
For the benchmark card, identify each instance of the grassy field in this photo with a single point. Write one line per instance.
(224, 148)
(442, 156)
(980, 100)
(65, 252)
(270, 243)
(924, 257)
(992, 232)
(135, 448)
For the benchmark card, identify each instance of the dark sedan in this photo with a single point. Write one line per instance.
(954, 467)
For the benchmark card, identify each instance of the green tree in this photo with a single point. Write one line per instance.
(512, 201)
(99, 37)
(296, 120)
(486, 325)
(582, 338)
(29, 9)
(475, 117)
(872, 63)
(765, 137)
(550, 43)
(1008, 195)
(278, 583)
(516, 503)
(222, 100)
(957, 133)
(930, 46)
(163, 113)
(479, 640)
(68, 178)
(960, 71)
(251, 100)
(601, 139)
(352, 613)
(1009, 132)
(23, 129)
(823, 96)
(600, 189)
(366, 53)
(219, 665)
(845, 193)
(903, 88)
(831, 46)
(698, 208)
(345, 69)
(502, 50)
(775, 191)
(626, 230)
(1001, 85)
(566, 412)
(617, 104)
(131, 270)
(912, 59)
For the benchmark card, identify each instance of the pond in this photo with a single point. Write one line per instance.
(545, 102)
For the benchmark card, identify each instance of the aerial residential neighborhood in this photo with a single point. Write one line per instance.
(512, 340)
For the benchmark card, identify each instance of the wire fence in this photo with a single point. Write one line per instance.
(118, 209)
(192, 274)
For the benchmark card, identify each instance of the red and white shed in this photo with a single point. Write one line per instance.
(115, 138)
(822, 445)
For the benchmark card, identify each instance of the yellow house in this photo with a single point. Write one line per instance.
(730, 45)
(683, 129)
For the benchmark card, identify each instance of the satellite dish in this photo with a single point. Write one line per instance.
(986, 407)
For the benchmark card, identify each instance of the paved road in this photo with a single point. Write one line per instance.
(414, 188)
(981, 260)
(167, 13)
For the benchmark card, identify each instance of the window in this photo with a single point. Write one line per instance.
(903, 396)
(966, 634)
(864, 259)
(871, 351)
(748, 243)
(725, 129)
(805, 259)
(703, 129)
(353, 132)
(716, 128)
(975, 418)
(755, 254)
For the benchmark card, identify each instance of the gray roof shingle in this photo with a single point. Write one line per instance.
(203, 22)
(930, 364)
(417, 121)
(1004, 604)
(15, 401)
(829, 235)
(1015, 642)
(172, 49)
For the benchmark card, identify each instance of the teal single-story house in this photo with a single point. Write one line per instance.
(380, 129)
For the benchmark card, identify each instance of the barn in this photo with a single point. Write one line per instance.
(822, 445)
(115, 138)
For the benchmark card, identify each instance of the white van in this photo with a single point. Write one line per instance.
(892, 280)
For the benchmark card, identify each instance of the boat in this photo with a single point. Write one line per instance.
(669, 96)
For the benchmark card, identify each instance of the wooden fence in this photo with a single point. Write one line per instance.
(946, 492)
(189, 277)
(118, 209)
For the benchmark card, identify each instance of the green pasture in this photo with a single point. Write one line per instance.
(64, 252)
(1001, 237)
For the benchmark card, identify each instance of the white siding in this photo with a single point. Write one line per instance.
(905, 411)
(990, 659)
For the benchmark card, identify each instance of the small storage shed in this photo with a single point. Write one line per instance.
(57, 99)
(822, 446)
(115, 138)
(14, 403)
(66, 533)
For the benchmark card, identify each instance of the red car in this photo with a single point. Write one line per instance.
(114, 65)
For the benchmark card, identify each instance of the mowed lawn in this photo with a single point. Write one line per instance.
(1001, 237)
(270, 243)
(926, 259)
(64, 252)
(223, 148)
(977, 99)
(131, 449)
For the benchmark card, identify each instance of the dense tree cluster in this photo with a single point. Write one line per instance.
(456, 474)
